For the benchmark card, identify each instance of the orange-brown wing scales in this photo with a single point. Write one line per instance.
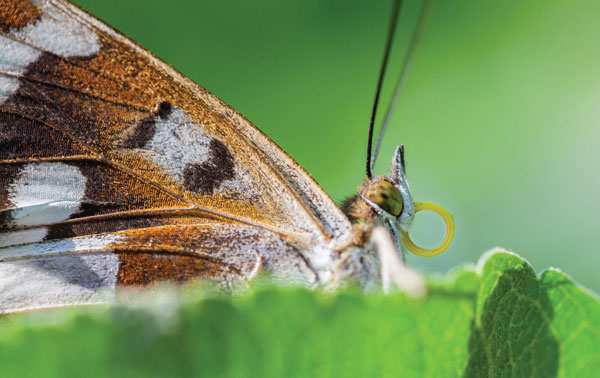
(17, 14)
(143, 269)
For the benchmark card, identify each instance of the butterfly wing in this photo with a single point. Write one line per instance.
(116, 169)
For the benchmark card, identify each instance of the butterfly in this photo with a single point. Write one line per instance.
(116, 171)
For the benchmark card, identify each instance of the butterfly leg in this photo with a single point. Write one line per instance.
(393, 270)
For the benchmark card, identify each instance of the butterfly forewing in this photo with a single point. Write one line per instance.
(115, 169)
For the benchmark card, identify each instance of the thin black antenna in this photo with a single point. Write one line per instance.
(386, 56)
(426, 12)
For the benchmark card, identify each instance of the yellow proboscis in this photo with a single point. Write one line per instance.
(448, 219)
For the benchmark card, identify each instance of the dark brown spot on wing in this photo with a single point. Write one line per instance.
(15, 14)
(163, 110)
(142, 134)
(59, 231)
(74, 113)
(145, 129)
(209, 175)
(138, 268)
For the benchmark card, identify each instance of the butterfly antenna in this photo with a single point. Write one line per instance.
(386, 56)
(424, 17)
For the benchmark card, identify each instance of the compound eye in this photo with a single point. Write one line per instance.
(386, 196)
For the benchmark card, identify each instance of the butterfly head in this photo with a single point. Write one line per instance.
(388, 197)
(387, 201)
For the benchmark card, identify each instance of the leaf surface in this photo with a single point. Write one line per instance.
(497, 319)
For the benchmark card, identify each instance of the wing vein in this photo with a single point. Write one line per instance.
(138, 107)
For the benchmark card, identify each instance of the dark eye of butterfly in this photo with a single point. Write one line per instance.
(386, 196)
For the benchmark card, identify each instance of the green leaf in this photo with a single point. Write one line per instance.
(496, 319)
(527, 326)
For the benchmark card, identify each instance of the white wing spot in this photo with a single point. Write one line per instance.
(14, 59)
(57, 33)
(45, 193)
(177, 142)
(57, 281)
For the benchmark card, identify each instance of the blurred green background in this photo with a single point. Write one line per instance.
(499, 116)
